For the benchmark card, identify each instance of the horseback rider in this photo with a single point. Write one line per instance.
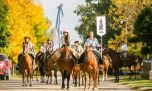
(78, 48)
(123, 49)
(65, 41)
(94, 44)
(49, 46)
(27, 44)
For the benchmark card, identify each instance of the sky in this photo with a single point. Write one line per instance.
(70, 19)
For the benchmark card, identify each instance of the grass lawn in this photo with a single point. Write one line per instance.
(139, 84)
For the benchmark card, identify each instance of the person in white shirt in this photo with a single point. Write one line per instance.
(124, 49)
(78, 48)
(27, 44)
(94, 44)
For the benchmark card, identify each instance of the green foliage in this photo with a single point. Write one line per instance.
(88, 15)
(120, 16)
(4, 33)
(143, 29)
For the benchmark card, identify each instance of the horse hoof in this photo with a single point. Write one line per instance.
(50, 83)
(31, 85)
(23, 85)
(62, 88)
(68, 88)
(94, 89)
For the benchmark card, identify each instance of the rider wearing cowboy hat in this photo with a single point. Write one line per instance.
(78, 48)
(29, 46)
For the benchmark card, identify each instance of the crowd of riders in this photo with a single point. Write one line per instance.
(47, 47)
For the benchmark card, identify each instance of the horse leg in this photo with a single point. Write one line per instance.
(130, 72)
(30, 75)
(68, 80)
(23, 77)
(75, 81)
(103, 73)
(135, 68)
(79, 79)
(55, 74)
(37, 74)
(95, 80)
(90, 80)
(106, 73)
(63, 78)
(85, 81)
(48, 77)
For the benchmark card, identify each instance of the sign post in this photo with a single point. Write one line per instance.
(101, 27)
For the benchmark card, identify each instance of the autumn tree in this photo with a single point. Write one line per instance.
(25, 18)
(4, 33)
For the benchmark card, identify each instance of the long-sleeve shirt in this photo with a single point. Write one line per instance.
(93, 43)
(124, 47)
(43, 49)
(63, 41)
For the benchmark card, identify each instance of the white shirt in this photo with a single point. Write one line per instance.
(124, 47)
(93, 43)
(43, 49)
(78, 49)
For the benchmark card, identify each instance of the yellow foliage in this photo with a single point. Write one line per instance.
(25, 18)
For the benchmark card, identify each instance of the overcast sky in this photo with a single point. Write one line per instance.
(70, 19)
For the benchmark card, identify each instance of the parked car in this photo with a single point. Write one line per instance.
(5, 67)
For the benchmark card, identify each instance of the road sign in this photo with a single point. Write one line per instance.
(101, 25)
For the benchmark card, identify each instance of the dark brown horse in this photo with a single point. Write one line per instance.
(117, 62)
(66, 63)
(52, 65)
(26, 68)
(90, 66)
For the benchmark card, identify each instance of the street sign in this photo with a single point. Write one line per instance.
(101, 25)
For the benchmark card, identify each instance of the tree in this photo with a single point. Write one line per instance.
(4, 33)
(25, 18)
(143, 29)
(120, 15)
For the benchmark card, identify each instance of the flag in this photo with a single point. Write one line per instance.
(59, 22)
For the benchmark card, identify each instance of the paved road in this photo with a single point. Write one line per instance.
(15, 85)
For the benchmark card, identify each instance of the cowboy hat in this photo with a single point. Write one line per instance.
(26, 37)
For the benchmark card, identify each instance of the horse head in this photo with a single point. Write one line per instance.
(87, 53)
(66, 53)
(105, 50)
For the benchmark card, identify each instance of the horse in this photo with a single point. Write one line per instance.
(36, 71)
(132, 60)
(117, 62)
(66, 63)
(104, 68)
(90, 66)
(42, 65)
(76, 73)
(52, 65)
(26, 67)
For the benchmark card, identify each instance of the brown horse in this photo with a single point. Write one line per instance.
(90, 66)
(117, 62)
(76, 74)
(131, 60)
(66, 63)
(52, 66)
(26, 68)
(104, 68)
